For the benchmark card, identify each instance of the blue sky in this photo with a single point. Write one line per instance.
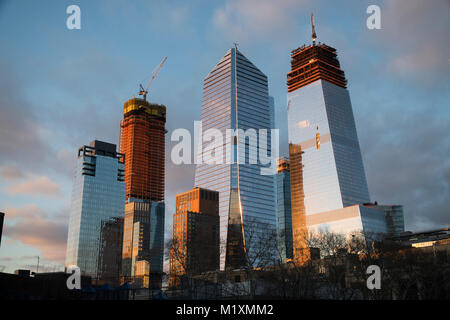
(62, 88)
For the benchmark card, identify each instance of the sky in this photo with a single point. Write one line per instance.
(61, 89)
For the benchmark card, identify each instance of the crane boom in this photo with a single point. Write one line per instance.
(155, 72)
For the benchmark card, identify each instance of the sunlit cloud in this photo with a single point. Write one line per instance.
(41, 185)
(11, 173)
(32, 226)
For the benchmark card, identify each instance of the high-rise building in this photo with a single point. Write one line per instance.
(322, 128)
(284, 214)
(142, 133)
(143, 238)
(195, 234)
(110, 253)
(235, 96)
(320, 120)
(142, 141)
(98, 198)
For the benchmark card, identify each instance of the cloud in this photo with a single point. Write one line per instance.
(11, 173)
(30, 225)
(414, 35)
(23, 212)
(7, 259)
(246, 19)
(20, 132)
(35, 186)
(409, 165)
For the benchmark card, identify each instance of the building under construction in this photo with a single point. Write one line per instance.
(142, 141)
(327, 171)
(314, 62)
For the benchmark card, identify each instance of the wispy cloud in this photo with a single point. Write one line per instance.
(35, 186)
(247, 19)
(31, 225)
(11, 173)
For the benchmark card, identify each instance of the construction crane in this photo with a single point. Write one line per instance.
(143, 92)
(313, 31)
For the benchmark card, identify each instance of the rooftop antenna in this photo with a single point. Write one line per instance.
(235, 45)
(314, 36)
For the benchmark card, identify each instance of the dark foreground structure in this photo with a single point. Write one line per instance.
(411, 269)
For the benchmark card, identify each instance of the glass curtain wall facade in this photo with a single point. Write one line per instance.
(98, 199)
(394, 217)
(284, 214)
(143, 237)
(355, 220)
(235, 96)
(321, 122)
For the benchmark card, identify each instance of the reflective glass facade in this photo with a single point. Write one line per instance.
(352, 220)
(284, 214)
(235, 96)
(394, 217)
(98, 199)
(320, 120)
(143, 236)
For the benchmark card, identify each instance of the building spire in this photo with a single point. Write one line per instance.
(313, 31)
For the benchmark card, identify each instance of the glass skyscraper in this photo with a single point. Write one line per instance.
(327, 171)
(98, 199)
(321, 123)
(235, 96)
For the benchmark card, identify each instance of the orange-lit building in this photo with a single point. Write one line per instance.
(300, 248)
(312, 63)
(195, 234)
(142, 133)
(142, 141)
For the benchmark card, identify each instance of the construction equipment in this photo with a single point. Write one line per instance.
(143, 92)
(313, 31)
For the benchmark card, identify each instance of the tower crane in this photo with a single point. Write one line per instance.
(143, 92)
(313, 30)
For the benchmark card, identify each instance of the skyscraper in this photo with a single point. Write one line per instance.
(322, 131)
(235, 96)
(195, 234)
(284, 214)
(142, 141)
(98, 198)
(142, 133)
(320, 120)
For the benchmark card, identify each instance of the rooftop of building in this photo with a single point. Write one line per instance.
(101, 148)
(196, 188)
(138, 104)
(417, 236)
